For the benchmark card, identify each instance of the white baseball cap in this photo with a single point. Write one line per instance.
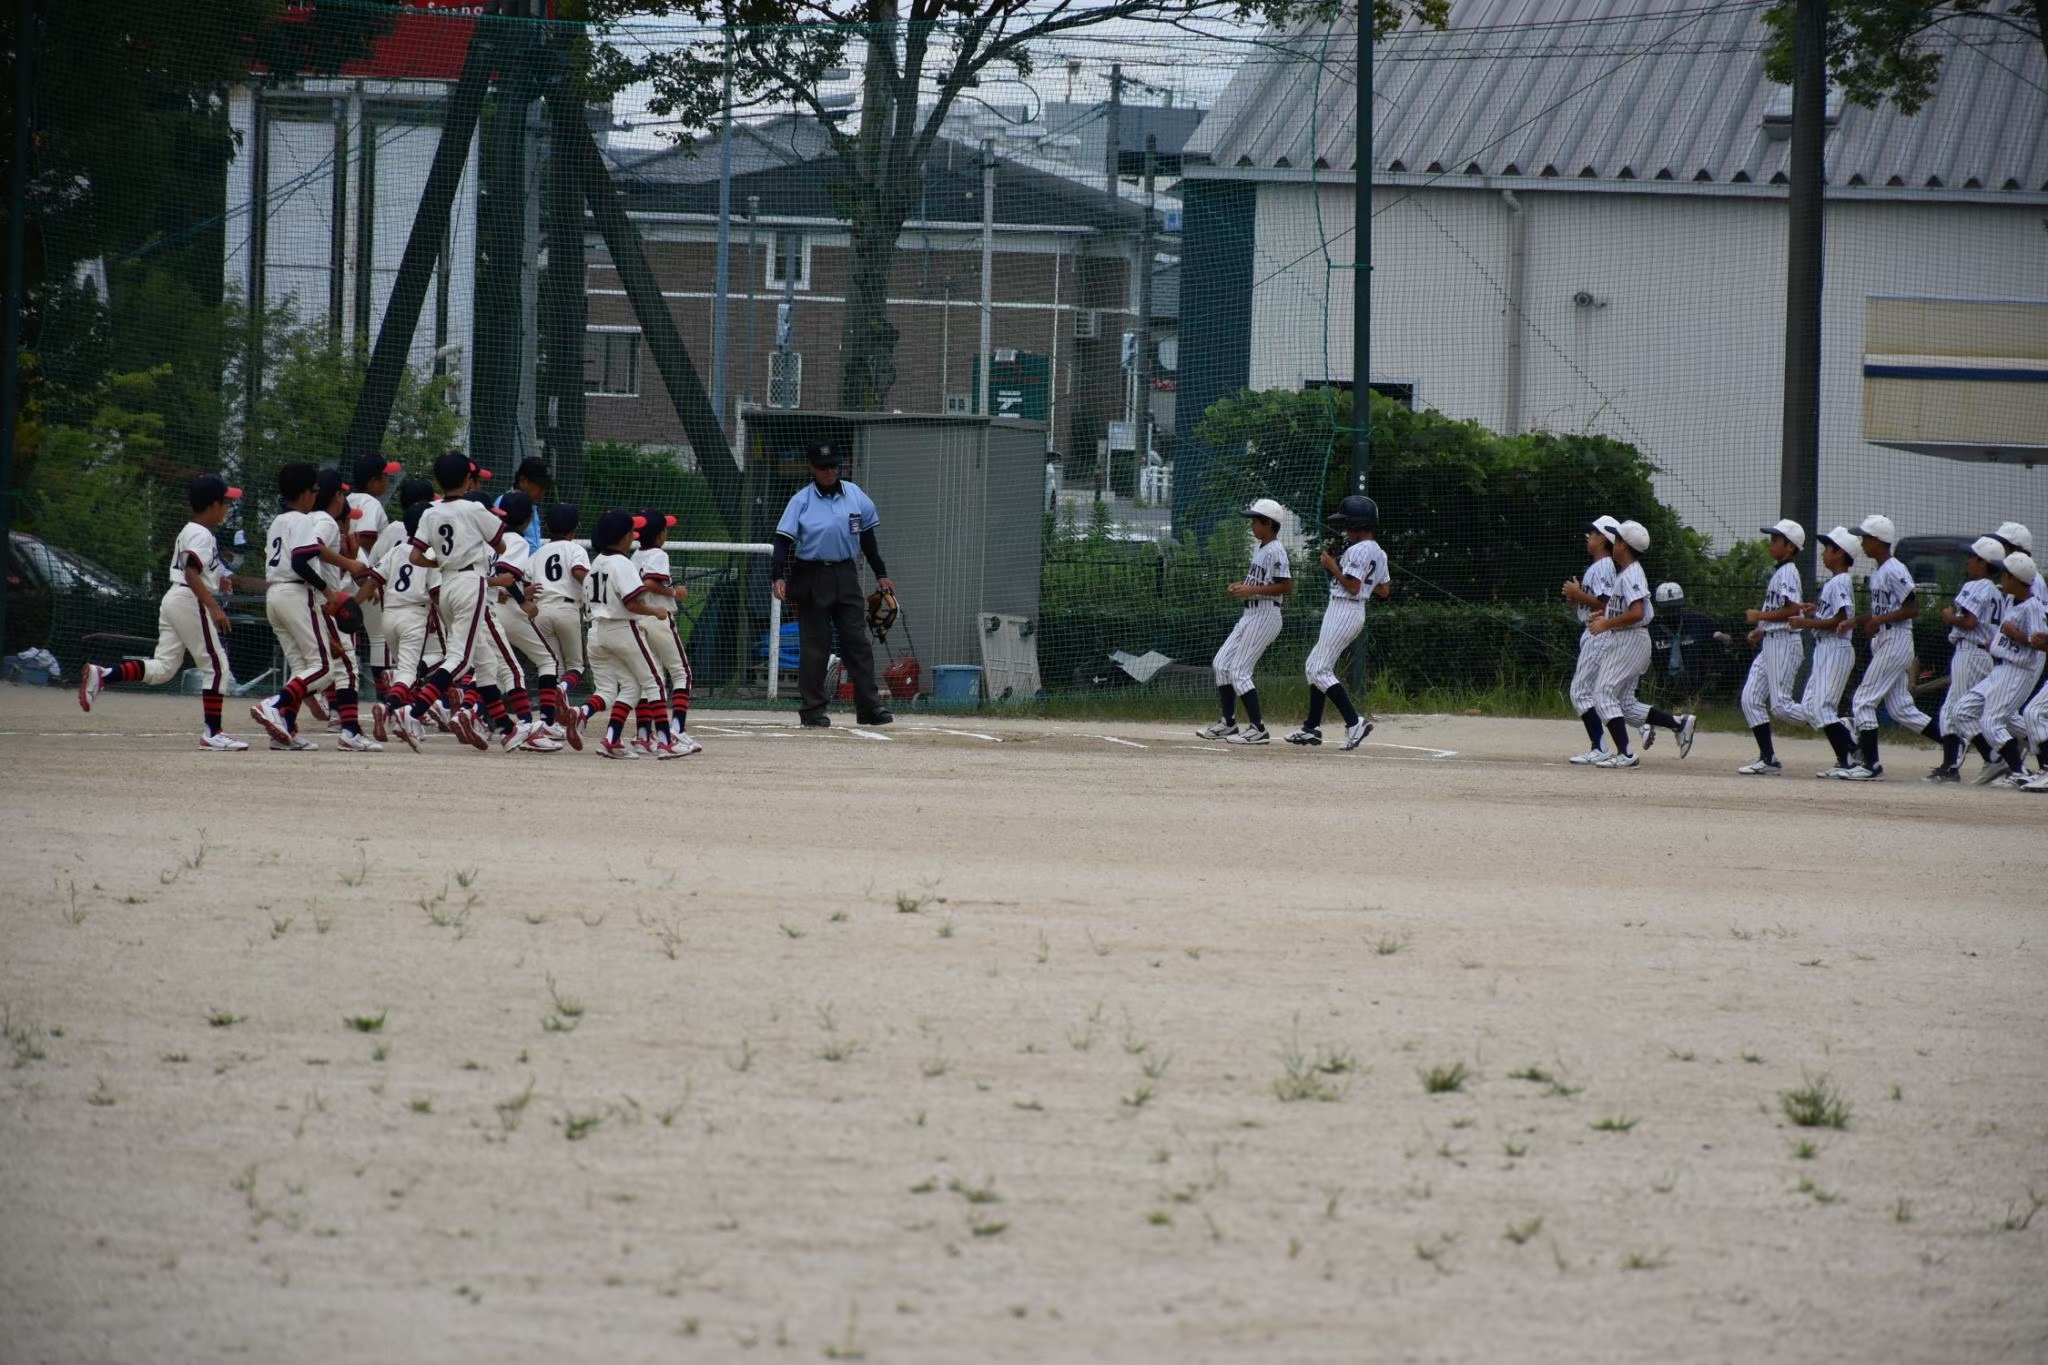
(2016, 536)
(1670, 592)
(2020, 565)
(1879, 528)
(1606, 526)
(1636, 534)
(1990, 549)
(1789, 529)
(1267, 508)
(1842, 539)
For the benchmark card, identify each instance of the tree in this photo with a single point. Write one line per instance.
(1880, 49)
(914, 67)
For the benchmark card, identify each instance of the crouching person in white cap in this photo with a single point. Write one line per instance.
(1992, 708)
(1779, 651)
(1266, 583)
(1888, 679)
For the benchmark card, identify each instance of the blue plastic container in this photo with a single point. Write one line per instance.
(956, 682)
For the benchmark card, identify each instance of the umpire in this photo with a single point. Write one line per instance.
(814, 572)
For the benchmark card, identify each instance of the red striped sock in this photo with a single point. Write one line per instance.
(345, 704)
(397, 696)
(210, 703)
(519, 704)
(620, 710)
(128, 670)
(681, 704)
(293, 695)
(423, 699)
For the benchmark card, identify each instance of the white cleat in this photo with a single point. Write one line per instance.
(539, 743)
(1992, 770)
(2014, 781)
(1687, 724)
(380, 722)
(1762, 768)
(607, 749)
(1354, 734)
(518, 737)
(266, 714)
(222, 744)
(558, 733)
(1250, 734)
(1217, 729)
(1619, 761)
(1837, 774)
(1649, 734)
(1858, 773)
(410, 731)
(642, 746)
(1306, 737)
(463, 726)
(2038, 783)
(357, 744)
(298, 744)
(685, 745)
(90, 683)
(1590, 756)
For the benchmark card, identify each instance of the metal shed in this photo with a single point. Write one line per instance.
(962, 506)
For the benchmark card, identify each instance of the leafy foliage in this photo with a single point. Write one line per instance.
(619, 475)
(1879, 49)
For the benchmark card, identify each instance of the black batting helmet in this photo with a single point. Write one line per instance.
(1356, 513)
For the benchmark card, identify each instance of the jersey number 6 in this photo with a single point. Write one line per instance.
(554, 568)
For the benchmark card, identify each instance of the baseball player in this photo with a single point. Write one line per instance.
(558, 570)
(1268, 582)
(1887, 680)
(372, 480)
(411, 493)
(1779, 651)
(671, 661)
(297, 600)
(331, 514)
(1359, 574)
(621, 665)
(1972, 620)
(407, 592)
(1588, 595)
(1992, 708)
(1831, 620)
(1626, 653)
(189, 620)
(514, 606)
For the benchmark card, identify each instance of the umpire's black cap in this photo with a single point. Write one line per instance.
(822, 455)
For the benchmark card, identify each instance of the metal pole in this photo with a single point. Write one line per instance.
(1143, 367)
(753, 302)
(718, 306)
(1361, 299)
(1112, 139)
(988, 255)
(17, 248)
(1799, 468)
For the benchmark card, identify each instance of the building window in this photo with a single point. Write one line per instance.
(790, 259)
(785, 379)
(959, 404)
(611, 363)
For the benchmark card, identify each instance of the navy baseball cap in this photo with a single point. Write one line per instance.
(562, 518)
(326, 485)
(415, 490)
(515, 507)
(369, 467)
(535, 470)
(208, 489)
(613, 527)
(452, 469)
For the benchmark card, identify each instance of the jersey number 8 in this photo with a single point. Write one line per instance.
(404, 582)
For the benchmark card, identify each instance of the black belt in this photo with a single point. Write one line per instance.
(822, 563)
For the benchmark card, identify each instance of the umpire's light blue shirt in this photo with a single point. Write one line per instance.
(828, 525)
(532, 532)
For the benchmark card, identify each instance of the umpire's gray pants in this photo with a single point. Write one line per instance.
(827, 598)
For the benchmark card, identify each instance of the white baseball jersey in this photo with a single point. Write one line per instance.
(1837, 602)
(1981, 598)
(328, 532)
(1630, 587)
(614, 581)
(1890, 586)
(288, 531)
(2032, 616)
(517, 556)
(554, 568)
(375, 517)
(1597, 580)
(1363, 560)
(406, 584)
(393, 533)
(459, 534)
(654, 566)
(1782, 591)
(1269, 566)
(195, 545)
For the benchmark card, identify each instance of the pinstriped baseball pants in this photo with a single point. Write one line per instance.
(1773, 673)
(1585, 688)
(1621, 667)
(1992, 707)
(1968, 666)
(1247, 641)
(1342, 620)
(1833, 658)
(1888, 681)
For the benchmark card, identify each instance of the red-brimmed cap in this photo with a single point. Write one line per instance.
(232, 493)
(479, 470)
(639, 523)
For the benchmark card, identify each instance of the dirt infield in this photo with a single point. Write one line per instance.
(1009, 1040)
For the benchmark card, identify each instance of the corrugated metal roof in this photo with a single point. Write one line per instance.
(1601, 90)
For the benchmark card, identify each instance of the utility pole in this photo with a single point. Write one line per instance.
(988, 257)
(753, 308)
(718, 306)
(1799, 467)
(1361, 296)
(532, 132)
(1112, 140)
(17, 246)
(1144, 356)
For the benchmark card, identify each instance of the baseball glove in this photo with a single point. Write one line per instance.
(348, 619)
(882, 612)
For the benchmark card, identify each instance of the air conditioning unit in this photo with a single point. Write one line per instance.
(1087, 324)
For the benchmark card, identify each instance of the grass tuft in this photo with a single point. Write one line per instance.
(1446, 1079)
(1817, 1103)
(366, 1023)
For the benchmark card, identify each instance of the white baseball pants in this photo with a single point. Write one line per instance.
(622, 667)
(342, 649)
(182, 628)
(1585, 690)
(403, 640)
(1243, 647)
(517, 630)
(301, 630)
(1773, 674)
(671, 662)
(472, 636)
(1833, 658)
(560, 624)
(1968, 666)
(1622, 664)
(1888, 681)
(2034, 718)
(1342, 621)
(373, 633)
(1992, 707)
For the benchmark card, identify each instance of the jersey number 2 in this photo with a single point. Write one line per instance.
(276, 550)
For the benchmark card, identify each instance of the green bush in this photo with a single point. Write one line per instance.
(620, 475)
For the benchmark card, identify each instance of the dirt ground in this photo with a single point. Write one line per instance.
(970, 1041)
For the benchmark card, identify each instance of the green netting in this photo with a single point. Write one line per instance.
(1069, 290)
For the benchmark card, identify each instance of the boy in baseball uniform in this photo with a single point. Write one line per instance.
(1887, 680)
(621, 665)
(1588, 595)
(665, 725)
(1972, 620)
(189, 620)
(1779, 649)
(407, 593)
(1992, 708)
(1266, 583)
(298, 601)
(1359, 574)
(372, 480)
(1626, 653)
(558, 571)
(330, 518)
(514, 605)
(1831, 620)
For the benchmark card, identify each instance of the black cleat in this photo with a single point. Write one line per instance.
(879, 718)
(821, 721)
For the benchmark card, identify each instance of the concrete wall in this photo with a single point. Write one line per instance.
(1680, 352)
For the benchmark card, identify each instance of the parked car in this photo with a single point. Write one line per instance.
(56, 599)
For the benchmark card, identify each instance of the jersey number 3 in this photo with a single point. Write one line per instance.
(447, 539)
